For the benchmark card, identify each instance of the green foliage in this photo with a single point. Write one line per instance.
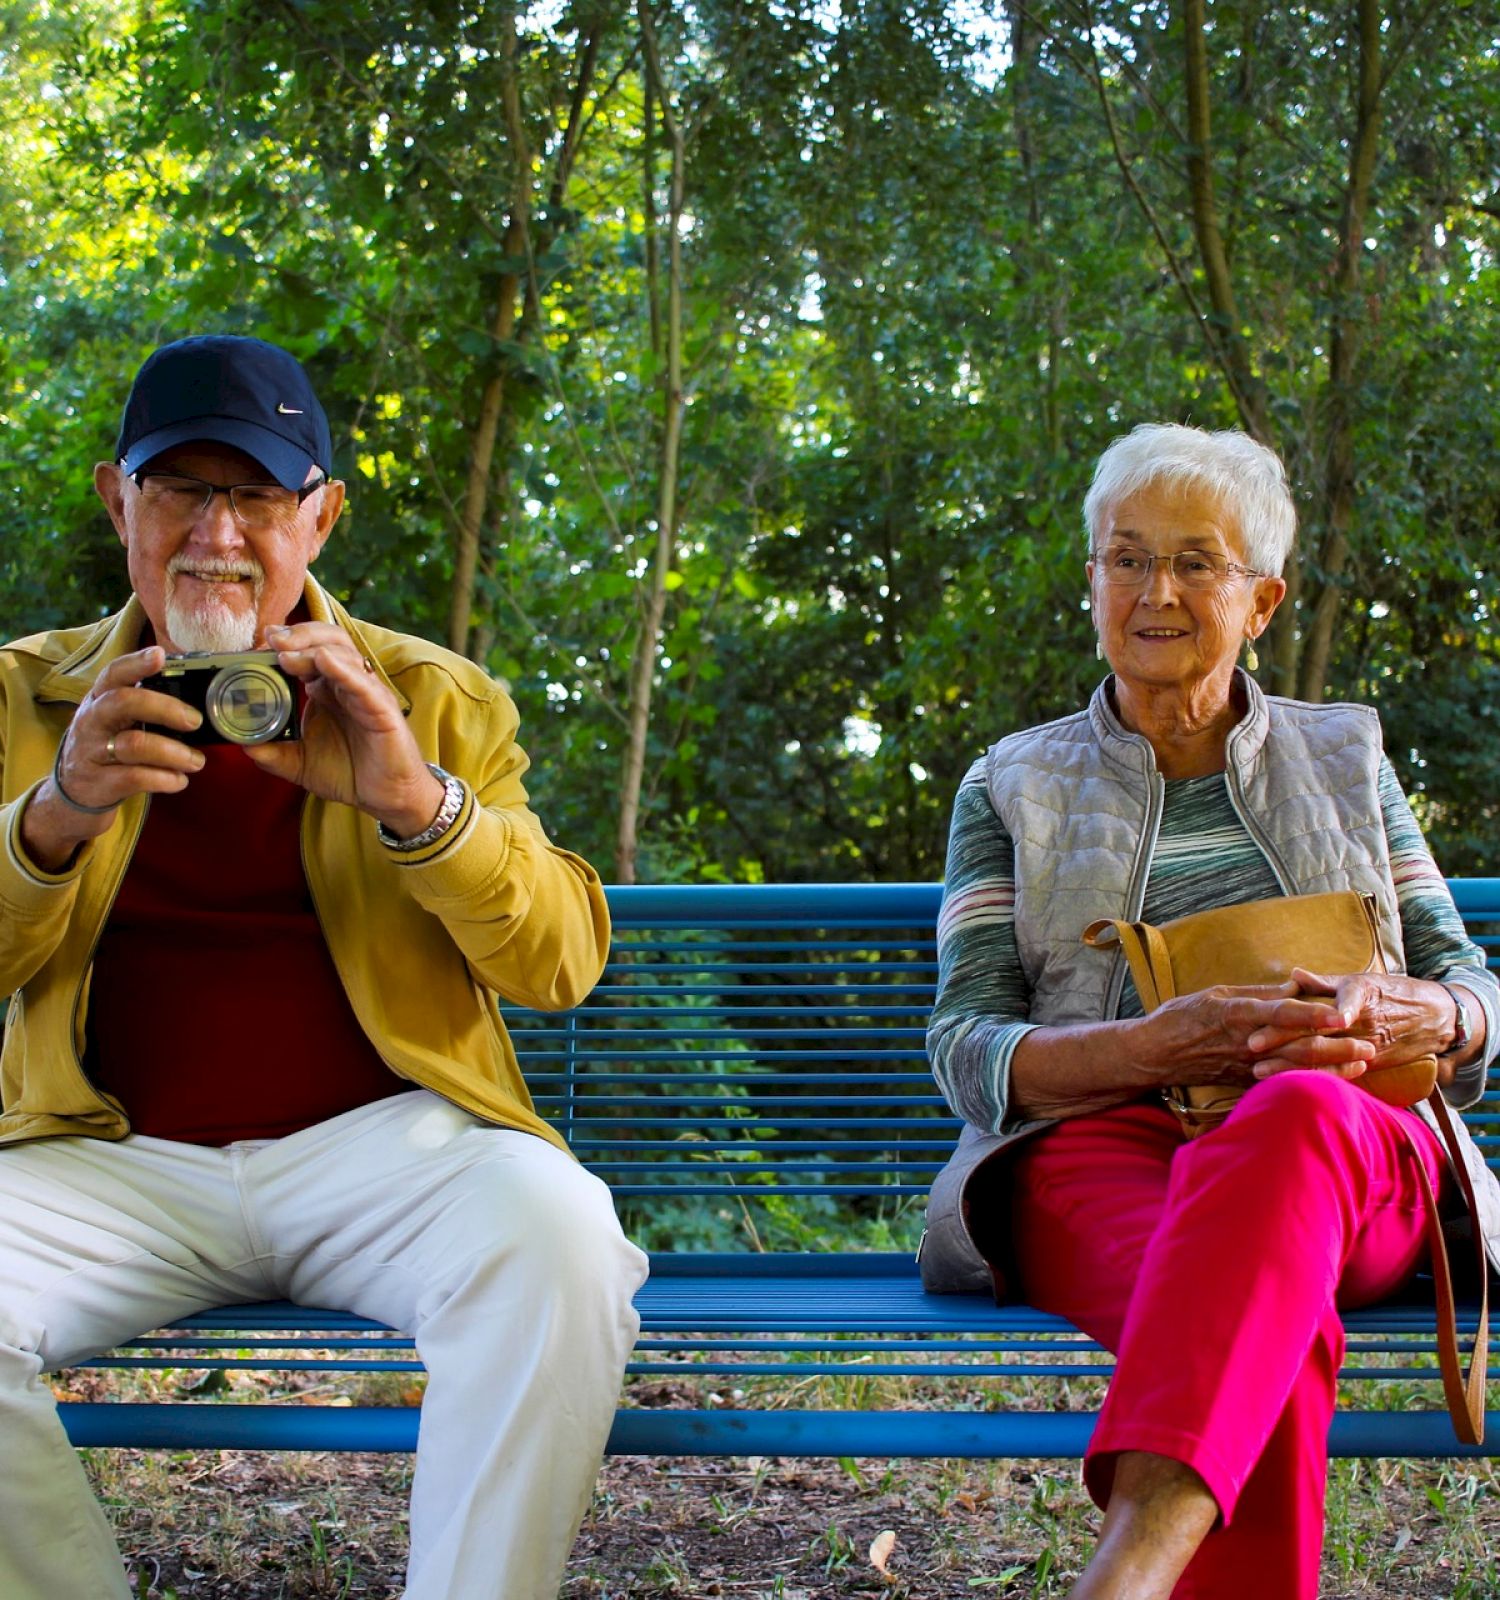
(920, 297)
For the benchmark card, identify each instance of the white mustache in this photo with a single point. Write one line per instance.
(215, 567)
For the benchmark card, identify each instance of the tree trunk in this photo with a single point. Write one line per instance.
(1249, 393)
(502, 331)
(1343, 351)
(1284, 642)
(648, 637)
(1032, 258)
(481, 464)
(515, 288)
(1216, 325)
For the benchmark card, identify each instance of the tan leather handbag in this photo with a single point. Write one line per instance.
(1259, 943)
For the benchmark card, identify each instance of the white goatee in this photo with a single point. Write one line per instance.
(211, 625)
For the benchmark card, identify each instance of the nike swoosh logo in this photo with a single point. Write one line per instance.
(284, 410)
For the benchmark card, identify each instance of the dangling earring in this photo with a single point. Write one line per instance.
(1252, 661)
(1098, 649)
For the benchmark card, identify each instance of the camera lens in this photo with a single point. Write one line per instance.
(248, 703)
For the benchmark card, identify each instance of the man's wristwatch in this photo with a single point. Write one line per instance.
(453, 803)
(1462, 1032)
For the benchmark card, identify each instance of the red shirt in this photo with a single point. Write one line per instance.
(215, 1011)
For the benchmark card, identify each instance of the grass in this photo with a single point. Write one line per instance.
(231, 1526)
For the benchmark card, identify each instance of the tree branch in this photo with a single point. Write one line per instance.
(1345, 336)
(1236, 362)
(1210, 334)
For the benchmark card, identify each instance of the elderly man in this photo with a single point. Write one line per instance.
(252, 1048)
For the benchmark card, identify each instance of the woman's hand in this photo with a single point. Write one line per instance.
(1223, 1034)
(1207, 1037)
(1398, 1017)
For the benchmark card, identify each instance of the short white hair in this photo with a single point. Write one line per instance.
(1247, 476)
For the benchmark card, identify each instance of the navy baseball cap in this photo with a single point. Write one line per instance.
(231, 390)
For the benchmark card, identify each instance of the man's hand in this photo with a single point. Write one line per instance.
(356, 747)
(106, 757)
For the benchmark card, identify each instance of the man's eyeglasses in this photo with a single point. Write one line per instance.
(1126, 567)
(176, 499)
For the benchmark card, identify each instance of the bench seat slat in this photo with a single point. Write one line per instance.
(886, 1298)
(981, 1435)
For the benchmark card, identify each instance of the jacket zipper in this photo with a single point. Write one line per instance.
(312, 894)
(303, 825)
(88, 965)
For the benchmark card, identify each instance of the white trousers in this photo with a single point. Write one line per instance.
(497, 1252)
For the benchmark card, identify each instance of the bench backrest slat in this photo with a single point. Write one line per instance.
(766, 1040)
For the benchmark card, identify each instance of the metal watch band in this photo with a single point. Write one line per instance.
(453, 803)
(1461, 1028)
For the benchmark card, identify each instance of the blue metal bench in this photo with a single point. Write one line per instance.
(754, 1055)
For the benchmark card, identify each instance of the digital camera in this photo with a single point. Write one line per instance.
(244, 696)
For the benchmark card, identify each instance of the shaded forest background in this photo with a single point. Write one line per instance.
(726, 376)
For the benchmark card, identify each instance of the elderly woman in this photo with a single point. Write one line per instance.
(1216, 1268)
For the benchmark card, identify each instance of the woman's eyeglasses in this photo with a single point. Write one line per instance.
(1126, 567)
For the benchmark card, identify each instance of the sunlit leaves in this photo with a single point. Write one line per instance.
(919, 300)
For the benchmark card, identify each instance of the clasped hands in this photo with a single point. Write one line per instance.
(1346, 1025)
(355, 745)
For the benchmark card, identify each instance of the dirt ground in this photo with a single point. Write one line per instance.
(228, 1526)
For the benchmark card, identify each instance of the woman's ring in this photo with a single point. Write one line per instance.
(109, 748)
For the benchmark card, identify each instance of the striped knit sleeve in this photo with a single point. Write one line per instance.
(1433, 932)
(982, 999)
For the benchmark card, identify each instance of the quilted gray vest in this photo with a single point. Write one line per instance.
(1082, 800)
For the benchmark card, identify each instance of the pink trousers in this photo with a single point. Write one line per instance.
(1216, 1270)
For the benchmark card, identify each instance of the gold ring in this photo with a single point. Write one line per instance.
(369, 665)
(109, 748)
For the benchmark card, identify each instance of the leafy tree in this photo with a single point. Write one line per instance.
(752, 459)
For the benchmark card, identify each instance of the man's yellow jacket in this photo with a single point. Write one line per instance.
(423, 942)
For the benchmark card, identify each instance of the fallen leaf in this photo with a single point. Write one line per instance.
(880, 1551)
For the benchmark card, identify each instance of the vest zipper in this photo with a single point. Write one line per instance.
(1140, 872)
(1257, 833)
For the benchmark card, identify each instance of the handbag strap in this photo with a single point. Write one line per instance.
(1464, 1396)
(1146, 951)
